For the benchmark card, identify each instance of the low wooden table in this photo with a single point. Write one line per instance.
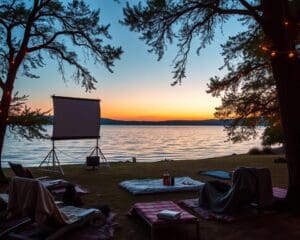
(148, 212)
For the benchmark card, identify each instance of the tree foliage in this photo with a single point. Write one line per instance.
(31, 31)
(25, 122)
(162, 22)
(248, 90)
(273, 134)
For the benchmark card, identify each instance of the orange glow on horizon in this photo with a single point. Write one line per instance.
(133, 114)
(157, 116)
(147, 104)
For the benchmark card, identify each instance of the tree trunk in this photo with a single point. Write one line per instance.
(286, 72)
(4, 106)
(287, 76)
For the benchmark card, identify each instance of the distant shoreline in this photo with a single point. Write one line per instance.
(212, 122)
(209, 122)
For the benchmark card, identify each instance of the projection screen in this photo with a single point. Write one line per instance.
(75, 118)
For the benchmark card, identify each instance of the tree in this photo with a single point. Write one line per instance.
(31, 31)
(247, 91)
(161, 22)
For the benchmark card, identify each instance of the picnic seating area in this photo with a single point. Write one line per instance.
(104, 189)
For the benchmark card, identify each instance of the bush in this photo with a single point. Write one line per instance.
(267, 150)
(254, 151)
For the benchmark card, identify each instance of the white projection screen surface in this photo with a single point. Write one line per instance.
(75, 118)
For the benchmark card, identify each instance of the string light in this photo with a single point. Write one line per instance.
(273, 54)
(291, 54)
(264, 48)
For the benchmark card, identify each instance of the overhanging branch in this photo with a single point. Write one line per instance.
(68, 59)
(252, 10)
(48, 42)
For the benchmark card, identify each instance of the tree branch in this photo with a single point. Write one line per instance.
(38, 47)
(3, 23)
(63, 56)
(10, 45)
(67, 59)
(252, 10)
(26, 36)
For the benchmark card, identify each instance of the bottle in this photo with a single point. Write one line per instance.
(172, 181)
(166, 178)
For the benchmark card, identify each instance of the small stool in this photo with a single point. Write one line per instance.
(148, 212)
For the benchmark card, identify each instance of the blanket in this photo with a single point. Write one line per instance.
(207, 214)
(148, 186)
(248, 185)
(224, 175)
(28, 197)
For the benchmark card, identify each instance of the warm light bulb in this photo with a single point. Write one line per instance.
(264, 48)
(273, 53)
(291, 54)
(286, 23)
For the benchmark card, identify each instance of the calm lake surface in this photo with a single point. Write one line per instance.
(121, 143)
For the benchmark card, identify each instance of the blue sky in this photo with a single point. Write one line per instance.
(140, 87)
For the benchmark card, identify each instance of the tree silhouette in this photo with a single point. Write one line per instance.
(162, 22)
(33, 30)
(248, 90)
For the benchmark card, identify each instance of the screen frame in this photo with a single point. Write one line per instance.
(75, 137)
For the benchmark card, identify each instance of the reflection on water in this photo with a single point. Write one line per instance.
(121, 143)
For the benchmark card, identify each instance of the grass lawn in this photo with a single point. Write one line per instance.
(103, 184)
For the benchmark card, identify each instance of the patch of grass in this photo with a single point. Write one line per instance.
(103, 185)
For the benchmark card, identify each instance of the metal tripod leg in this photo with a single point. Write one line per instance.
(46, 158)
(52, 156)
(103, 158)
(99, 153)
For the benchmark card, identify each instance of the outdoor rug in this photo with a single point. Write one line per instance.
(224, 175)
(148, 186)
(207, 214)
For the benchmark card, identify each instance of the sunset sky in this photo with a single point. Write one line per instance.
(139, 88)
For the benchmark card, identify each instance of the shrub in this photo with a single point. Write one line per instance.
(267, 150)
(254, 151)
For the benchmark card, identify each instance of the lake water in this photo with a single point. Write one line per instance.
(121, 143)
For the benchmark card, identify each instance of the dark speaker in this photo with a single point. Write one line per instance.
(92, 161)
